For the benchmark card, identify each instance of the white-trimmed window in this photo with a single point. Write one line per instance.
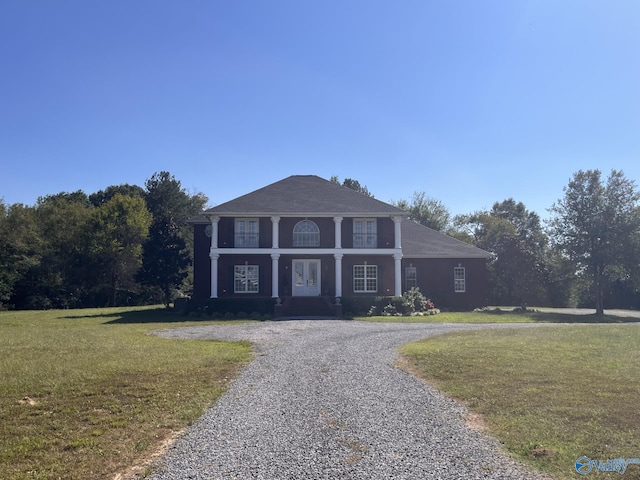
(306, 234)
(365, 278)
(410, 278)
(459, 280)
(246, 278)
(365, 233)
(246, 233)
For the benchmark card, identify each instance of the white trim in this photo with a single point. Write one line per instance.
(247, 283)
(307, 214)
(309, 251)
(463, 279)
(364, 278)
(462, 257)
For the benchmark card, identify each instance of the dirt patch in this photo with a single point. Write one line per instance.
(475, 421)
(139, 470)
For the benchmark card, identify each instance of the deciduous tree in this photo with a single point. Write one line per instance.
(426, 211)
(118, 228)
(596, 225)
(514, 236)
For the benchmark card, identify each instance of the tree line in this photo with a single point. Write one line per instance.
(128, 245)
(586, 255)
(122, 245)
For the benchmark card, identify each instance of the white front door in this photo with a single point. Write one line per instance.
(306, 278)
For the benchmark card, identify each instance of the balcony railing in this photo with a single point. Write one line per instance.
(365, 240)
(246, 240)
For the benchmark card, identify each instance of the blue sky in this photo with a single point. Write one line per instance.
(469, 101)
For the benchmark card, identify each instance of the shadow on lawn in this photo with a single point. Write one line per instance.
(557, 317)
(153, 315)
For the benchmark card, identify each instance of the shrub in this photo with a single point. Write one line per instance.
(389, 310)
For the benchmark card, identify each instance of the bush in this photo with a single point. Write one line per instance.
(412, 302)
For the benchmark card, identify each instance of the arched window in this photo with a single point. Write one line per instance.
(306, 234)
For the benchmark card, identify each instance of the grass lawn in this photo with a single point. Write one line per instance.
(88, 393)
(502, 317)
(550, 394)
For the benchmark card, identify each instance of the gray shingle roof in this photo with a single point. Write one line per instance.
(304, 195)
(419, 241)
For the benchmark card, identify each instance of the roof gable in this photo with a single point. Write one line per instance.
(305, 195)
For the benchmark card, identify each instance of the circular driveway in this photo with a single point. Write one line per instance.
(324, 400)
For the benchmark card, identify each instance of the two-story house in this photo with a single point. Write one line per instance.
(304, 237)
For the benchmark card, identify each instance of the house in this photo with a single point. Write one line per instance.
(310, 246)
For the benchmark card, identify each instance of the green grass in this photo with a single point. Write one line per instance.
(104, 393)
(502, 317)
(550, 394)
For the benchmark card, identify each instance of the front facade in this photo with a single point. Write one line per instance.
(306, 237)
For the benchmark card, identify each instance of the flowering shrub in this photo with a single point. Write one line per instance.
(412, 302)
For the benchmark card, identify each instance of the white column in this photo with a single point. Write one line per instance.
(214, 231)
(214, 256)
(275, 235)
(214, 274)
(338, 257)
(397, 220)
(338, 230)
(398, 274)
(274, 275)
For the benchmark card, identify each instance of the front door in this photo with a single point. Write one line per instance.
(306, 278)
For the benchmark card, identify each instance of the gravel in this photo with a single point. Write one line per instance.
(323, 400)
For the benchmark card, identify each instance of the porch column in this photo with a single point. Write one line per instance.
(214, 274)
(274, 275)
(398, 274)
(214, 231)
(338, 232)
(338, 257)
(397, 220)
(275, 234)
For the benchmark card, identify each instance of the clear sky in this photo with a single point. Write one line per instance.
(469, 101)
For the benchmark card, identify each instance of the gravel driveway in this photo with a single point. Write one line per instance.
(323, 400)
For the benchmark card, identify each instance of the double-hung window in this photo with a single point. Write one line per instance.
(365, 278)
(246, 278)
(365, 233)
(410, 278)
(459, 280)
(246, 233)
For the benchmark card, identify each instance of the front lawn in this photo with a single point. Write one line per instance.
(88, 393)
(502, 316)
(550, 394)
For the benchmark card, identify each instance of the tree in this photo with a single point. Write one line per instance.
(20, 253)
(117, 230)
(353, 185)
(596, 225)
(165, 259)
(426, 211)
(62, 221)
(517, 268)
(167, 253)
(103, 196)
